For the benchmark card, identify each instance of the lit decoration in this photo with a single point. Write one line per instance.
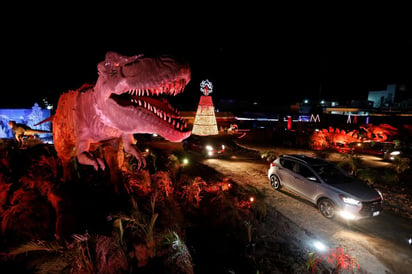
(47, 104)
(26, 116)
(332, 137)
(206, 87)
(205, 119)
(379, 133)
(289, 122)
(326, 138)
(355, 119)
(314, 119)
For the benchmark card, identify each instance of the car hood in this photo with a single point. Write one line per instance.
(359, 190)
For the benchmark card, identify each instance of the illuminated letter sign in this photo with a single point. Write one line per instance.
(314, 119)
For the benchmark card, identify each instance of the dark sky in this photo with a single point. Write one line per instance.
(269, 58)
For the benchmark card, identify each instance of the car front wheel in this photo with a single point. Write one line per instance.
(274, 181)
(327, 208)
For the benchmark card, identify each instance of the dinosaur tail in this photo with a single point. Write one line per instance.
(49, 119)
(35, 131)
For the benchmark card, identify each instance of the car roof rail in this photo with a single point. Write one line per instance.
(306, 159)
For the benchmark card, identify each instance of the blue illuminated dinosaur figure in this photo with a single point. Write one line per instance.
(21, 130)
(127, 99)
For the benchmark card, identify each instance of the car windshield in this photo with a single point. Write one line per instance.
(332, 174)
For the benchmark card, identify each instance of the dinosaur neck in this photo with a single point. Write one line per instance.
(103, 118)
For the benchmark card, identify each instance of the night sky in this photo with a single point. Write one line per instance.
(270, 59)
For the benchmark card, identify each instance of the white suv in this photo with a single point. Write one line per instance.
(326, 185)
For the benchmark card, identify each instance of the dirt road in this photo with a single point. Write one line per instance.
(380, 245)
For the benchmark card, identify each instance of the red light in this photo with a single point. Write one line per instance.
(251, 199)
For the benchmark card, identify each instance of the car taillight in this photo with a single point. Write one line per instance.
(272, 164)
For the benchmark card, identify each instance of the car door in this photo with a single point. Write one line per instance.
(285, 173)
(305, 182)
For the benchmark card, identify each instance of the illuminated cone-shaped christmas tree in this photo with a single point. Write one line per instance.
(205, 119)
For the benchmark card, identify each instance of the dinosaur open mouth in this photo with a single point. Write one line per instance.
(152, 100)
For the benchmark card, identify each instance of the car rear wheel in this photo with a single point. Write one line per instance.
(274, 181)
(327, 208)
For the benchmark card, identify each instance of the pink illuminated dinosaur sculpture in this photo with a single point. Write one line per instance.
(127, 99)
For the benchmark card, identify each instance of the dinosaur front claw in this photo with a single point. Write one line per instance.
(86, 158)
(99, 163)
(141, 161)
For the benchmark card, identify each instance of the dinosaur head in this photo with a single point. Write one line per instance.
(131, 94)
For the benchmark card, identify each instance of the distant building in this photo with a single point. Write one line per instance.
(383, 98)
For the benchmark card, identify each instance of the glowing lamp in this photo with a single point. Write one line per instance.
(319, 246)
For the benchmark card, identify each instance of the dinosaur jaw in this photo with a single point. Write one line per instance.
(164, 119)
(132, 90)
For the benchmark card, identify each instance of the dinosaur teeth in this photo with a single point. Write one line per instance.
(182, 84)
(170, 115)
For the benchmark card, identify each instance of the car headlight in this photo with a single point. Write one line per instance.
(350, 201)
(209, 147)
(395, 153)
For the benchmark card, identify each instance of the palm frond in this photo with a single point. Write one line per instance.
(56, 265)
(36, 246)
